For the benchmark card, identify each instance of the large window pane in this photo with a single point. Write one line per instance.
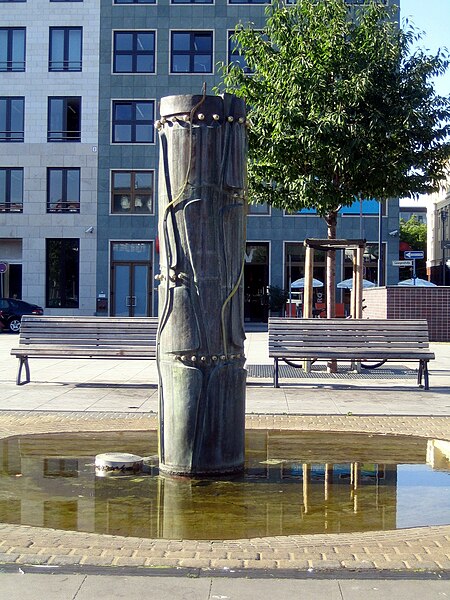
(134, 52)
(11, 190)
(133, 122)
(12, 119)
(134, 1)
(63, 190)
(64, 120)
(62, 273)
(12, 49)
(192, 52)
(192, 1)
(132, 192)
(65, 49)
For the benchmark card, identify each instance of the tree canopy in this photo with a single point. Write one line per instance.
(340, 105)
(414, 233)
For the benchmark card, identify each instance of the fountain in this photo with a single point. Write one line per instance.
(202, 379)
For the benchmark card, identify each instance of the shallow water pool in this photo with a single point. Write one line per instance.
(294, 483)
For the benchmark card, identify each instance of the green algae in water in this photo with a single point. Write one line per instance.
(294, 483)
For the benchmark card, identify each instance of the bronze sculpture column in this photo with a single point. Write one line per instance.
(203, 144)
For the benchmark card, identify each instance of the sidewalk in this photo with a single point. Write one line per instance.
(100, 395)
(98, 587)
(131, 386)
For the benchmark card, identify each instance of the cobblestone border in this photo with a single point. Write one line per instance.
(423, 549)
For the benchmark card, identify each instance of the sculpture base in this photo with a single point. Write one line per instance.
(174, 472)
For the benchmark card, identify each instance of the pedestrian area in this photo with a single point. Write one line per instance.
(83, 395)
(131, 385)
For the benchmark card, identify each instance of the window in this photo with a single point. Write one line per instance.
(370, 262)
(134, 1)
(132, 121)
(12, 119)
(12, 49)
(192, 1)
(62, 273)
(234, 58)
(134, 52)
(60, 467)
(258, 209)
(132, 192)
(367, 207)
(64, 119)
(65, 50)
(192, 52)
(248, 1)
(11, 190)
(63, 190)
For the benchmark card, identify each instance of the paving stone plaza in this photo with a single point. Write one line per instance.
(83, 395)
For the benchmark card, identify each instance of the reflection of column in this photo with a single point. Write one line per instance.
(189, 509)
(306, 473)
(354, 480)
(328, 478)
(201, 334)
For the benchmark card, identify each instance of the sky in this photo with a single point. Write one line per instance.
(433, 18)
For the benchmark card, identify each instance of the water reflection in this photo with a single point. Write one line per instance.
(294, 483)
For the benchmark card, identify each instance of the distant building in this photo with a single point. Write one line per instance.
(438, 238)
(420, 212)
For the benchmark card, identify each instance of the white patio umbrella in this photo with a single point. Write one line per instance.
(300, 283)
(347, 284)
(416, 282)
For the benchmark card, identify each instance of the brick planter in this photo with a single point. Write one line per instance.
(396, 302)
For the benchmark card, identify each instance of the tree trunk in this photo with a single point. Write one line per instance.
(331, 277)
(201, 330)
(331, 220)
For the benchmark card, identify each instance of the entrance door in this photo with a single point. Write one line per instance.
(256, 280)
(131, 280)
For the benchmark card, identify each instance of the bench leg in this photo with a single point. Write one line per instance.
(425, 375)
(423, 372)
(275, 373)
(23, 362)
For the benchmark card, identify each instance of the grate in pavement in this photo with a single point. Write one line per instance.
(320, 372)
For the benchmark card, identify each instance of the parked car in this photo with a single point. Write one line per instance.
(12, 311)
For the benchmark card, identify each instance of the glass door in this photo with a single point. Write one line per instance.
(131, 280)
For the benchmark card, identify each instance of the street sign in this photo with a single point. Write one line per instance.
(402, 263)
(3, 267)
(413, 254)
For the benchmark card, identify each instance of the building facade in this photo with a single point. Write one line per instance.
(81, 81)
(438, 236)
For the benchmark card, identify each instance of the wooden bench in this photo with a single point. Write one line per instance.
(84, 337)
(376, 340)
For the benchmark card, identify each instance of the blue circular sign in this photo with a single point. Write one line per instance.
(3, 267)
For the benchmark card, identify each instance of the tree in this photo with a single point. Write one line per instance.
(340, 108)
(414, 233)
